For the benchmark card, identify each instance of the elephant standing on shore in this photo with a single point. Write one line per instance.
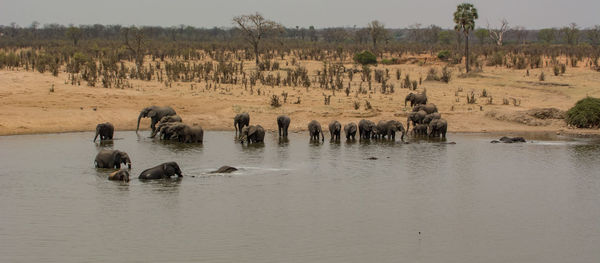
(121, 175)
(428, 108)
(415, 99)
(437, 128)
(389, 129)
(188, 134)
(240, 121)
(314, 129)
(335, 128)
(366, 129)
(415, 118)
(112, 159)
(350, 131)
(162, 171)
(253, 134)
(105, 130)
(155, 113)
(283, 123)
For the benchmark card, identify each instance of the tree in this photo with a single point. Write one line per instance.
(571, 33)
(431, 34)
(377, 32)
(312, 33)
(136, 43)
(482, 34)
(547, 35)
(444, 37)
(74, 34)
(465, 17)
(497, 35)
(593, 34)
(255, 27)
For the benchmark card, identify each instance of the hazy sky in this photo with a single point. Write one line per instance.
(320, 13)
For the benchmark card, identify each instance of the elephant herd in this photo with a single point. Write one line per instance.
(165, 123)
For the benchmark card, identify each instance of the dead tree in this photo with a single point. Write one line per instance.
(497, 35)
(255, 28)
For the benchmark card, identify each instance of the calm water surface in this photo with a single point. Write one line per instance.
(302, 202)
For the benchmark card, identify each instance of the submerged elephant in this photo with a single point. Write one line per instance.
(366, 129)
(112, 159)
(162, 171)
(389, 129)
(224, 170)
(350, 131)
(428, 108)
(283, 123)
(510, 140)
(415, 118)
(415, 99)
(239, 121)
(314, 129)
(188, 134)
(335, 129)
(105, 130)
(437, 128)
(155, 113)
(253, 134)
(120, 175)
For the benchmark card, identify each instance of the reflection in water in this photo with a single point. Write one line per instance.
(423, 200)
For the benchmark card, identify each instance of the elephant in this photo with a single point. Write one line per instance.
(283, 123)
(437, 127)
(165, 121)
(389, 129)
(162, 171)
(314, 129)
(155, 113)
(188, 134)
(415, 118)
(239, 121)
(335, 128)
(120, 175)
(224, 170)
(433, 116)
(105, 130)
(428, 108)
(253, 134)
(415, 99)
(366, 129)
(420, 130)
(510, 140)
(112, 159)
(166, 130)
(350, 131)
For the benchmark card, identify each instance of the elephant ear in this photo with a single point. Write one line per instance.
(116, 157)
(252, 130)
(151, 113)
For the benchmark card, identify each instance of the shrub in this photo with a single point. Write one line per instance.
(444, 55)
(542, 76)
(365, 58)
(275, 101)
(432, 75)
(556, 70)
(446, 75)
(585, 113)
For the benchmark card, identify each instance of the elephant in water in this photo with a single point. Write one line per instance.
(283, 123)
(253, 134)
(224, 170)
(420, 130)
(165, 121)
(155, 113)
(510, 140)
(415, 99)
(121, 175)
(314, 129)
(239, 121)
(335, 129)
(433, 116)
(350, 131)
(105, 130)
(437, 128)
(415, 118)
(162, 171)
(112, 159)
(389, 129)
(428, 108)
(366, 129)
(188, 134)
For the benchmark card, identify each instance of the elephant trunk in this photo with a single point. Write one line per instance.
(138, 122)
(408, 124)
(322, 135)
(95, 137)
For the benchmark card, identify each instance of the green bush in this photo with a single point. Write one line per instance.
(444, 55)
(365, 58)
(585, 113)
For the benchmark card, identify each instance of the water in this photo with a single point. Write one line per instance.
(302, 202)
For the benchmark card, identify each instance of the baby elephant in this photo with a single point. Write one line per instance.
(112, 159)
(253, 134)
(121, 175)
(162, 171)
(105, 130)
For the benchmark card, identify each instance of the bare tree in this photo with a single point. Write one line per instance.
(255, 28)
(497, 35)
(136, 43)
(377, 32)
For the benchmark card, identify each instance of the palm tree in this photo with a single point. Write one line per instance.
(465, 17)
